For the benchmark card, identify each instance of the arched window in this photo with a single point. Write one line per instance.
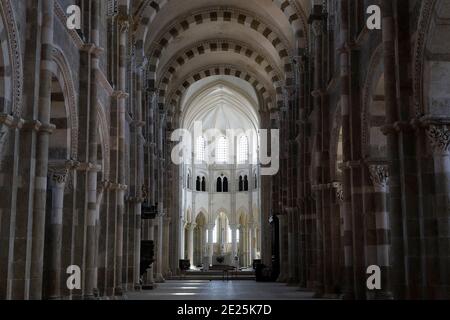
(197, 184)
(242, 156)
(219, 185)
(222, 150)
(245, 183)
(201, 149)
(188, 182)
(256, 182)
(225, 184)
(241, 184)
(203, 184)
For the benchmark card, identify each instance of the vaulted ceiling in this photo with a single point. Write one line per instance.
(187, 41)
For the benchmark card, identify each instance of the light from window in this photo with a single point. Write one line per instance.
(222, 150)
(201, 146)
(230, 237)
(243, 150)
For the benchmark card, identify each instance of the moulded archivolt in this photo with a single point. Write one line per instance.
(8, 17)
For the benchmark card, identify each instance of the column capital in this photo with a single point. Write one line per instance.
(58, 174)
(339, 191)
(379, 174)
(439, 139)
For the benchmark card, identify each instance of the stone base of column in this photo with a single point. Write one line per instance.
(282, 278)
(149, 286)
(319, 292)
(159, 278)
(118, 292)
(137, 287)
(292, 282)
(382, 295)
(90, 297)
(348, 296)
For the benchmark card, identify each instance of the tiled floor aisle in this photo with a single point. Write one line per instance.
(221, 290)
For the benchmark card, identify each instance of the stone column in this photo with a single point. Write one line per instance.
(251, 248)
(121, 95)
(339, 252)
(58, 177)
(42, 145)
(159, 249)
(137, 245)
(150, 281)
(393, 147)
(182, 240)
(380, 178)
(344, 53)
(210, 244)
(317, 26)
(166, 246)
(190, 240)
(284, 272)
(234, 250)
(291, 247)
(319, 239)
(90, 221)
(439, 140)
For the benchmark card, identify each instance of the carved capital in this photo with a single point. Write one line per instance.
(59, 175)
(339, 191)
(123, 23)
(379, 174)
(439, 139)
(317, 27)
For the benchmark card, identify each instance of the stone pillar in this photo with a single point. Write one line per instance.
(150, 281)
(284, 272)
(137, 245)
(182, 239)
(166, 247)
(256, 243)
(439, 140)
(395, 192)
(251, 245)
(90, 285)
(58, 177)
(291, 247)
(234, 249)
(319, 281)
(121, 95)
(339, 252)
(317, 26)
(159, 249)
(380, 178)
(190, 240)
(344, 53)
(210, 244)
(42, 145)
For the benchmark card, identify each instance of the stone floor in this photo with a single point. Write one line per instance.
(221, 290)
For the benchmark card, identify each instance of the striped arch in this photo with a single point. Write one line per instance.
(64, 93)
(175, 96)
(216, 46)
(145, 14)
(297, 19)
(11, 77)
(221, 15)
